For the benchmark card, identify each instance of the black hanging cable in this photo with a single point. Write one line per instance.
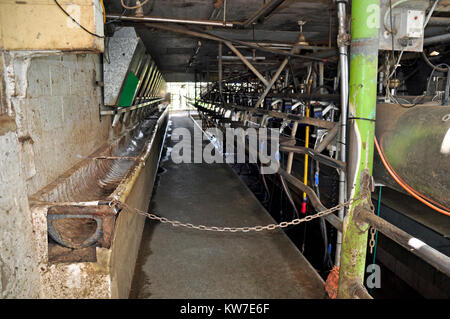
(289, 196)
(432, 72)
(327, 262)
(75, 21)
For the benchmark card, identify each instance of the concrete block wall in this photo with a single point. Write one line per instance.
(52, 120)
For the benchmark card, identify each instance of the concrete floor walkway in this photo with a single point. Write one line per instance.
(184, 263)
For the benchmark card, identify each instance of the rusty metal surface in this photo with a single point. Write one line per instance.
(280, 26)
(443, 5)
(97, 272)
(413, 140)
(81, 226)
(129, 225)
(95, 179)
(109, 173)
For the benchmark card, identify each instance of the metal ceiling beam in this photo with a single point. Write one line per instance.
(146, 19)
(207, 36)
(262, 12)
(247, 63)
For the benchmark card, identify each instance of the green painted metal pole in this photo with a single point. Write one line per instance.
(362, 108)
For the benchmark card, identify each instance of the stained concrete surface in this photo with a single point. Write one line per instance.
(185, 263)
(53, 104)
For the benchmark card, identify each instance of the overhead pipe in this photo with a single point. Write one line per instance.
(439, 21)
(221, 39)
(438, 39)
(233, 58)
(262, 12)
(273, 80)
(172, 20)
(192, 59)
(247, 63)
(295, 50)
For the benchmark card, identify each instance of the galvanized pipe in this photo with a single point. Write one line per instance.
(327, 139)
(172, 20)
(321, 77)
(357, 290)
(234, 58)
(262, 12)
(314, 155)
(245, 43)
(343, 59)
(272, 81)
(220, 69)
(224, 11)
(291, 154)
(247, 63)
(439, 21)
(439, 39)
(427, 253)
(314, 200)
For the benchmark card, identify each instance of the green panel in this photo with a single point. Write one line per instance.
(129, 89)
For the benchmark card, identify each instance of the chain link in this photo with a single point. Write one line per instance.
(373, 231)
(176, 223)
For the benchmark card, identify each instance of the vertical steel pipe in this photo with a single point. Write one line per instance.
(343, 62)
(220, 68)
(321, 77)
(362, 110)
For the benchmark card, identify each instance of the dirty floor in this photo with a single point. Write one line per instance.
(185, 263)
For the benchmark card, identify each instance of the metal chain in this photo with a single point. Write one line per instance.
(373, 231)
(176, 223)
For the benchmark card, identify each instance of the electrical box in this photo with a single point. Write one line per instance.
(413, 26)
(401, 23)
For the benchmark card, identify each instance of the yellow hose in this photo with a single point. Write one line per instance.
(305, 175)
(305, 178)
(104, 11)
